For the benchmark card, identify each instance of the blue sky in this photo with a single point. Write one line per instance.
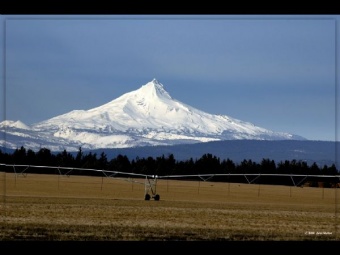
(278, 72)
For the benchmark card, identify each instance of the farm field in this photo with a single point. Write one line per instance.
(80, 208)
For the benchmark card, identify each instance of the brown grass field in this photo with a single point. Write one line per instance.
(79, 208)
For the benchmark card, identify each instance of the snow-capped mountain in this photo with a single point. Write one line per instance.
(146, 116)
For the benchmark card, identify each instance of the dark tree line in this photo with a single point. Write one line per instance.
(166, 165)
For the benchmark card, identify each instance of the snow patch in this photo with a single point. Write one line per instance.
(14, 124)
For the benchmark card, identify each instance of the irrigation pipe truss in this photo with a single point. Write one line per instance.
(203, 177)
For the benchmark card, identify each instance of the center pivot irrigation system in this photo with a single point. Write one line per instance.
(150, 182)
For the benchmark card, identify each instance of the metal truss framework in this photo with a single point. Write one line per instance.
(150, 182)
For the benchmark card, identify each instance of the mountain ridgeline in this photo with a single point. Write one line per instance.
(148, 116)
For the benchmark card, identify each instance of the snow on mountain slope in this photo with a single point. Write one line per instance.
(14, 124)
(146, 116)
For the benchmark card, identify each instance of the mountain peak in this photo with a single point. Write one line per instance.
(155, 81)
(155, 88)
(13, 124)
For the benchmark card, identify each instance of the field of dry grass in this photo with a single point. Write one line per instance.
(53, 207)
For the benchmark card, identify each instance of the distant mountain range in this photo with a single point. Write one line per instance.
(148, 116)
(320, 152)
